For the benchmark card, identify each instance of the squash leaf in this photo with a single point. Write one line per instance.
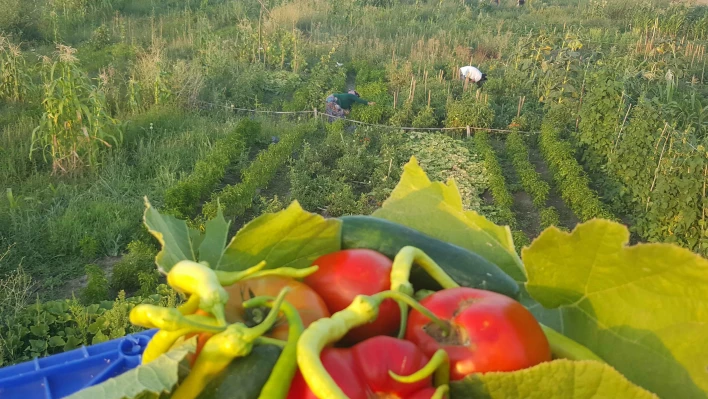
(292, 237)
(561, 378)
(150, 380)
(435, 208)
(178, 241)
(642, 308)
(211, 249)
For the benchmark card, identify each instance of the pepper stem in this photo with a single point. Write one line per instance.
(229, 278)
(439, 365)
(441, 392)
(271, 341)
(404, 320)
(408, 300)
(566, 348)
(285, 272)
(401, 273)
(272, 317)
(403, 262)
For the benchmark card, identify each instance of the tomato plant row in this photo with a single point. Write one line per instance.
(237, 198)
(184, 197)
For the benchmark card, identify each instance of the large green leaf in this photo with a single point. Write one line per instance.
(174, 235)
(213, 246)
(559, 379)
(292, 237)
(145, 381)
(436, 209)
(643, 309)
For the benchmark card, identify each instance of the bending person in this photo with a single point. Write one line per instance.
(473, 74)
(340, 104)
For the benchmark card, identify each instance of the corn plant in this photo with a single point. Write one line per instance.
(75, 124)
(15, 82)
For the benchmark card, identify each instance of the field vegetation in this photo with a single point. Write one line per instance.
(592, 109)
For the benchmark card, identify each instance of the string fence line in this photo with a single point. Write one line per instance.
(324, 115)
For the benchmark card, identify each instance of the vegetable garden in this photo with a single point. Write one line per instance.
(520, 198)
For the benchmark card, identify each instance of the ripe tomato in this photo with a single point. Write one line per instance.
(343, 275)
(308, 304)
(489, 332)
(362, 371)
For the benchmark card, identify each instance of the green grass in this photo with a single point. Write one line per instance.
(154, 60)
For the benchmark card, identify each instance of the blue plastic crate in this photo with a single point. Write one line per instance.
(63, 374)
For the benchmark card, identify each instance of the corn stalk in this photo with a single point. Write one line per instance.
(75, 124)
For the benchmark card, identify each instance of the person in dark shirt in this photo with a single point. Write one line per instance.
(339, 104)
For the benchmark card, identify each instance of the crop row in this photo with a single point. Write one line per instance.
(531, 180)
(497, 185)
(183, 198)
(238, 198)
(570, 177)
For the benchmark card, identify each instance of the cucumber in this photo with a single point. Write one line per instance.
(245, 376)
(467, 268)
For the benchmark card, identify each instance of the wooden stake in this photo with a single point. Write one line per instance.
(469, 132)
(658, 165)
(429, 98)
(518, 108)
(703, 218)
(621, 129)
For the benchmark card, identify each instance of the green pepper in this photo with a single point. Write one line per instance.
(278, 384)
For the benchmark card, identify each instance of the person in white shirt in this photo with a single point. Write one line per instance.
(474, 75)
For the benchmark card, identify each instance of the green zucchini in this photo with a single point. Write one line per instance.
(245, 376)
(467, 268)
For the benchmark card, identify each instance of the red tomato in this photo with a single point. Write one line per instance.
(343, 275)
(490, 332)
(362, 370)
(308, 304)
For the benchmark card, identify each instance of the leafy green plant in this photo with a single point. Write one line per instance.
(183, 198)
(425, 118)
(530, 179)
(100, 37)
(503, 199)
(567, 173)
(403, 116)
(549, 217)
(326, 78)
(600, 118)
(472, 110)
(89, 247)
(75, 124)
(378, 113)
(443, 157)
(44, 328)
(96, 289)
(236, 199)
(126, 273)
